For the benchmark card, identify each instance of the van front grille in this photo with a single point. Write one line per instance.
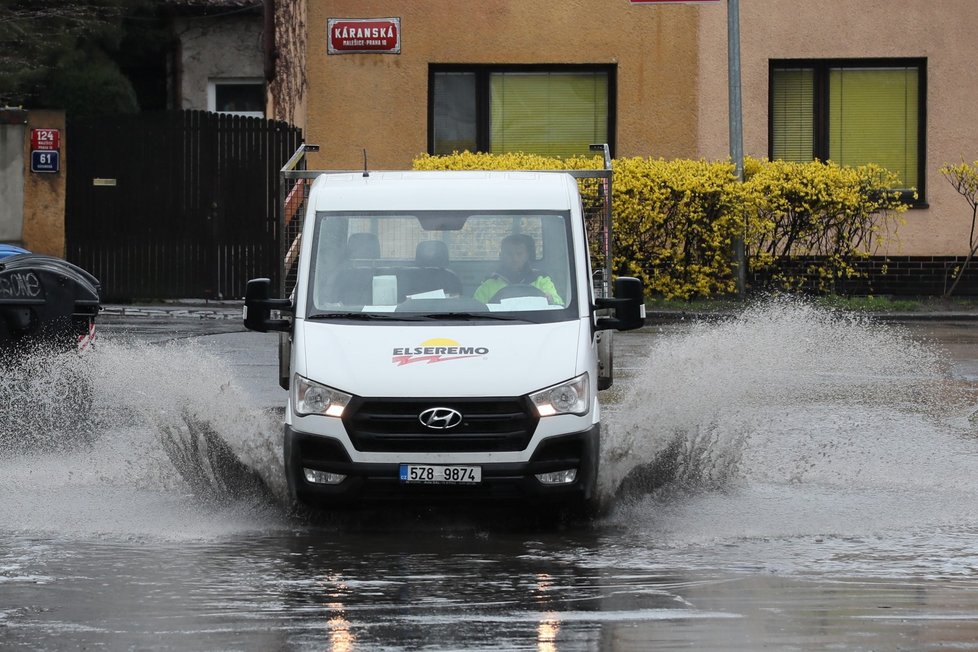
(394, 424)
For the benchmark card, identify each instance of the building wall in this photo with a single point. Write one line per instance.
(44, 193)
(941, 32)
(216, 47)
(380, 101)
(32, 204)
(12, 135)
(287, 89)
(671, 77)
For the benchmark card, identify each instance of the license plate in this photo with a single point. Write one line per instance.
(431, 474)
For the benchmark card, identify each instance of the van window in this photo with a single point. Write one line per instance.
(433, 262)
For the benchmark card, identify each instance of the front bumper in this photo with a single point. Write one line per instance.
(380, 482)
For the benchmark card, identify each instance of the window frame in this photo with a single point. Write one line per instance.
(214, 82)
(483, 109)
(820, 110)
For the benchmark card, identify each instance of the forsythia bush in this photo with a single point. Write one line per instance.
(837, 213)
(516, 161)
(675, 222)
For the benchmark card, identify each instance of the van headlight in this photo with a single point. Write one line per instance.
(312, 398)
(569, 397)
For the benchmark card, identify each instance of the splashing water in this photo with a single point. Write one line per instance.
(136, 439)
(698, 409)
(788, 420)
(787, 401)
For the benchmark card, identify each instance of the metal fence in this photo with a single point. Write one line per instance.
(176, 204)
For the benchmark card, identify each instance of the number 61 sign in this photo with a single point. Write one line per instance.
(45, 161)
(45, 150)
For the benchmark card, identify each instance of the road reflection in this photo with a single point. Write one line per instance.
(341, 638)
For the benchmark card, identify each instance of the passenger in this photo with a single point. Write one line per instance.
(515, 254)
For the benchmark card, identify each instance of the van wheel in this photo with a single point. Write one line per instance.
(299, 510)
(583, 510)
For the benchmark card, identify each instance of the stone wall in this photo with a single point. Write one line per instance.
(32, 204)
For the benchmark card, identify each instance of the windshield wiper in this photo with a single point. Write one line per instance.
(360, 316)
(468, 316)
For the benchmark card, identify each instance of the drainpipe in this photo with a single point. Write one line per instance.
(736, 128)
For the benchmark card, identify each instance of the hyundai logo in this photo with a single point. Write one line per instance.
(440, 418)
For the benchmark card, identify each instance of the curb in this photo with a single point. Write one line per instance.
(232, 310)
(669, 316)
(216, 310)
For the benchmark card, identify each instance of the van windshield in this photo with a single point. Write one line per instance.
(462, 264)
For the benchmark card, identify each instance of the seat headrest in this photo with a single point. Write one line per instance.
(363, 245)
(431, 253)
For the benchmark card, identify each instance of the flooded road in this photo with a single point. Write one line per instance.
(791, 479)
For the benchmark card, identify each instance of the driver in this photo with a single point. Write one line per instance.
(515, 253)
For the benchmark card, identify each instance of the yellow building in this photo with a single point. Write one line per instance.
(884, 81)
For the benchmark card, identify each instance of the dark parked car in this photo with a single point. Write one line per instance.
(47, 315)
(45, 301)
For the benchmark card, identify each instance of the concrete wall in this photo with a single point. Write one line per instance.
(380, 101)
(32, 204)
(12, 168)
(209, 47)
(44, 193)
(942, 32)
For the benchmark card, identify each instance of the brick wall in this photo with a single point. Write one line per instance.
(894, 276)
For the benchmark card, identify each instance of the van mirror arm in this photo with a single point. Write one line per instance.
(628, 306)
(259, 306)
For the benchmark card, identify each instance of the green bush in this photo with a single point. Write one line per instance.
(89, 87)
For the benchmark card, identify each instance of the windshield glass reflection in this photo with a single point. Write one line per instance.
(442, 263)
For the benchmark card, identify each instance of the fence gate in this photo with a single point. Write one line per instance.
(175, 204)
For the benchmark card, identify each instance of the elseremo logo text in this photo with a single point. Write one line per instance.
(438, 349)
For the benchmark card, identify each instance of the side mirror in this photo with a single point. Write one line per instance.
(258, 307)
(628, 305)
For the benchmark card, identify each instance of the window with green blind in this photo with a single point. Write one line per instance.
(851, 112)
(551, 113)
(873, 119)
(792, 114)
(551, 110)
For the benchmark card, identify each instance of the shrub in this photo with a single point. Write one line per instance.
(963, 177)
(834, 213)
(675, 222)
(514, 161)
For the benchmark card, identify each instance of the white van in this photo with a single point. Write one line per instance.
(425, 361)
